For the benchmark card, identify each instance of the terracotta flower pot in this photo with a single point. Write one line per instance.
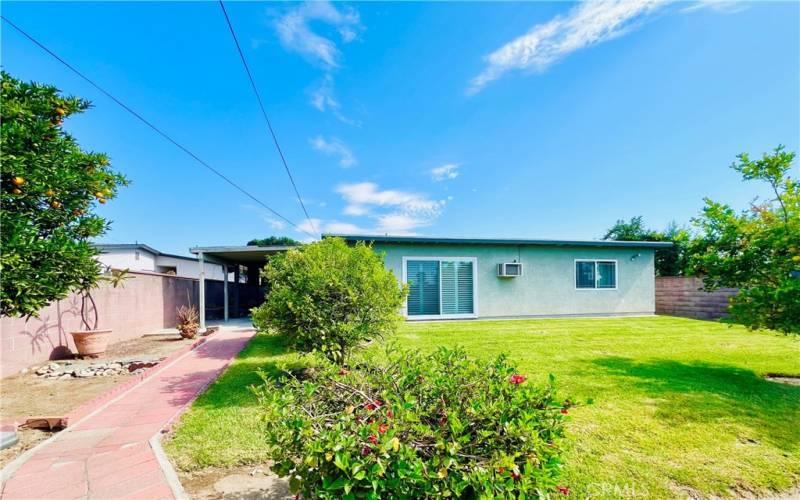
(91, 343)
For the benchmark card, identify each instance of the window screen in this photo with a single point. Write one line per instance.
(606, 274)
(584, 274)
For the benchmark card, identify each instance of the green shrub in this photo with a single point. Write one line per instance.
(330, 297)
(415, 426)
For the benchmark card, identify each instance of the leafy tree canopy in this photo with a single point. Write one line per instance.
(756, 250)
(50, 187)
(668, 261)
(273, 241)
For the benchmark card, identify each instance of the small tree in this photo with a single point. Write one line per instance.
(329, 297)
(49, 188)
(757, 250)
(670, 261)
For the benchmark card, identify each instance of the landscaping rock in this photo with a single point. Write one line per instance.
(85, 369)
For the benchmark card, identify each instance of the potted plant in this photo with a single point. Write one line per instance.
(188, 324)
(92, 342)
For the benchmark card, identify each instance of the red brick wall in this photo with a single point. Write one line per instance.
(145, 304)
(683, 296)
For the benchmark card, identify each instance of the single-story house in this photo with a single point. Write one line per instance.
(452, 278)
(141, 257)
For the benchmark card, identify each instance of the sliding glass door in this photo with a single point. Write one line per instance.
(440, 287)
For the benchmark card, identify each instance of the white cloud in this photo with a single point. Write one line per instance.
(274, 223)
(587, 24)
(718, 6)
(295, 33)
(444, 172)
(398, 223)
(334, 147)
(323, 99)
(391, 211)
(363, 195)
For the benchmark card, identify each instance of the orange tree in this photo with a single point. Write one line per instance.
(50, 187)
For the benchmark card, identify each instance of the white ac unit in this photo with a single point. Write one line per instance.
(509, 269)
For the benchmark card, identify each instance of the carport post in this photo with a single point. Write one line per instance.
(202, 292)
(225, 289)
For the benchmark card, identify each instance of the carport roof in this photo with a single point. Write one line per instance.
(239, 254)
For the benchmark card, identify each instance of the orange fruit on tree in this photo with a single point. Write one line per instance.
(102, 200)
(18, 181)
(55, 204)
(61, 111)
(98, 194)
(50, 192)
(16, 191)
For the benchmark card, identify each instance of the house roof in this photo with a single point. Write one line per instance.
(499, 241)
(139, 246)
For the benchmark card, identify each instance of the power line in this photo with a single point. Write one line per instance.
(264, 113)
(153, 127)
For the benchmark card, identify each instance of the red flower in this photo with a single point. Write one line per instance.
(383, 428)
(343, 371)
(390, 414)
(443, 420)
(564, 490)
(373, 439)
(369, 406)
(516, 379)
(378, 402)
(515, 475)
(564, 411)
(366, 450)
(501, 470)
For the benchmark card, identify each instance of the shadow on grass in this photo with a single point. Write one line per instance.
(706, 392)
(264, 352)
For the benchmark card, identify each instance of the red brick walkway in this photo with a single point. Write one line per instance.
(108, 453)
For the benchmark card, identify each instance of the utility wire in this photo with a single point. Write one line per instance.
(153, 127)
(264, 113)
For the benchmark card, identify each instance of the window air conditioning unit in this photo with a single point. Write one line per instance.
(509, 269)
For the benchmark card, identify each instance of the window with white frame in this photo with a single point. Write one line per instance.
(440, 287)
(596, 274)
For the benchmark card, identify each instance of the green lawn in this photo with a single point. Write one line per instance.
(680, 406)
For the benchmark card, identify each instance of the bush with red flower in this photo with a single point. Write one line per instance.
(409, 425)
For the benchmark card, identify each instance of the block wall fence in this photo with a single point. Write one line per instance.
(147, 303)
(684, 296)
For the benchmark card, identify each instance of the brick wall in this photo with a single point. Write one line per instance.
(145, 304)
(683, 296)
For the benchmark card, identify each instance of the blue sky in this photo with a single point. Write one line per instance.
(541, 120)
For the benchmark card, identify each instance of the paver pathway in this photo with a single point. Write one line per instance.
(108, 453)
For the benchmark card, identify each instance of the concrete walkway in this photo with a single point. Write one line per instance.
(113, 452)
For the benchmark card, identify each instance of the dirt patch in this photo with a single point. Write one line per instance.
(27, 395)
(783, 379)
(240, 483)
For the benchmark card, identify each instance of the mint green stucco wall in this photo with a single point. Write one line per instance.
(548, 285)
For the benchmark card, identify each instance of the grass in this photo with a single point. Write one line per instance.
(680, 406)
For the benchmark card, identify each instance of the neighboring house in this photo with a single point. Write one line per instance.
(453, 278)
(140, 257)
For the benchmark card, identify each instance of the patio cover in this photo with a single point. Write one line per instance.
(230, 256)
